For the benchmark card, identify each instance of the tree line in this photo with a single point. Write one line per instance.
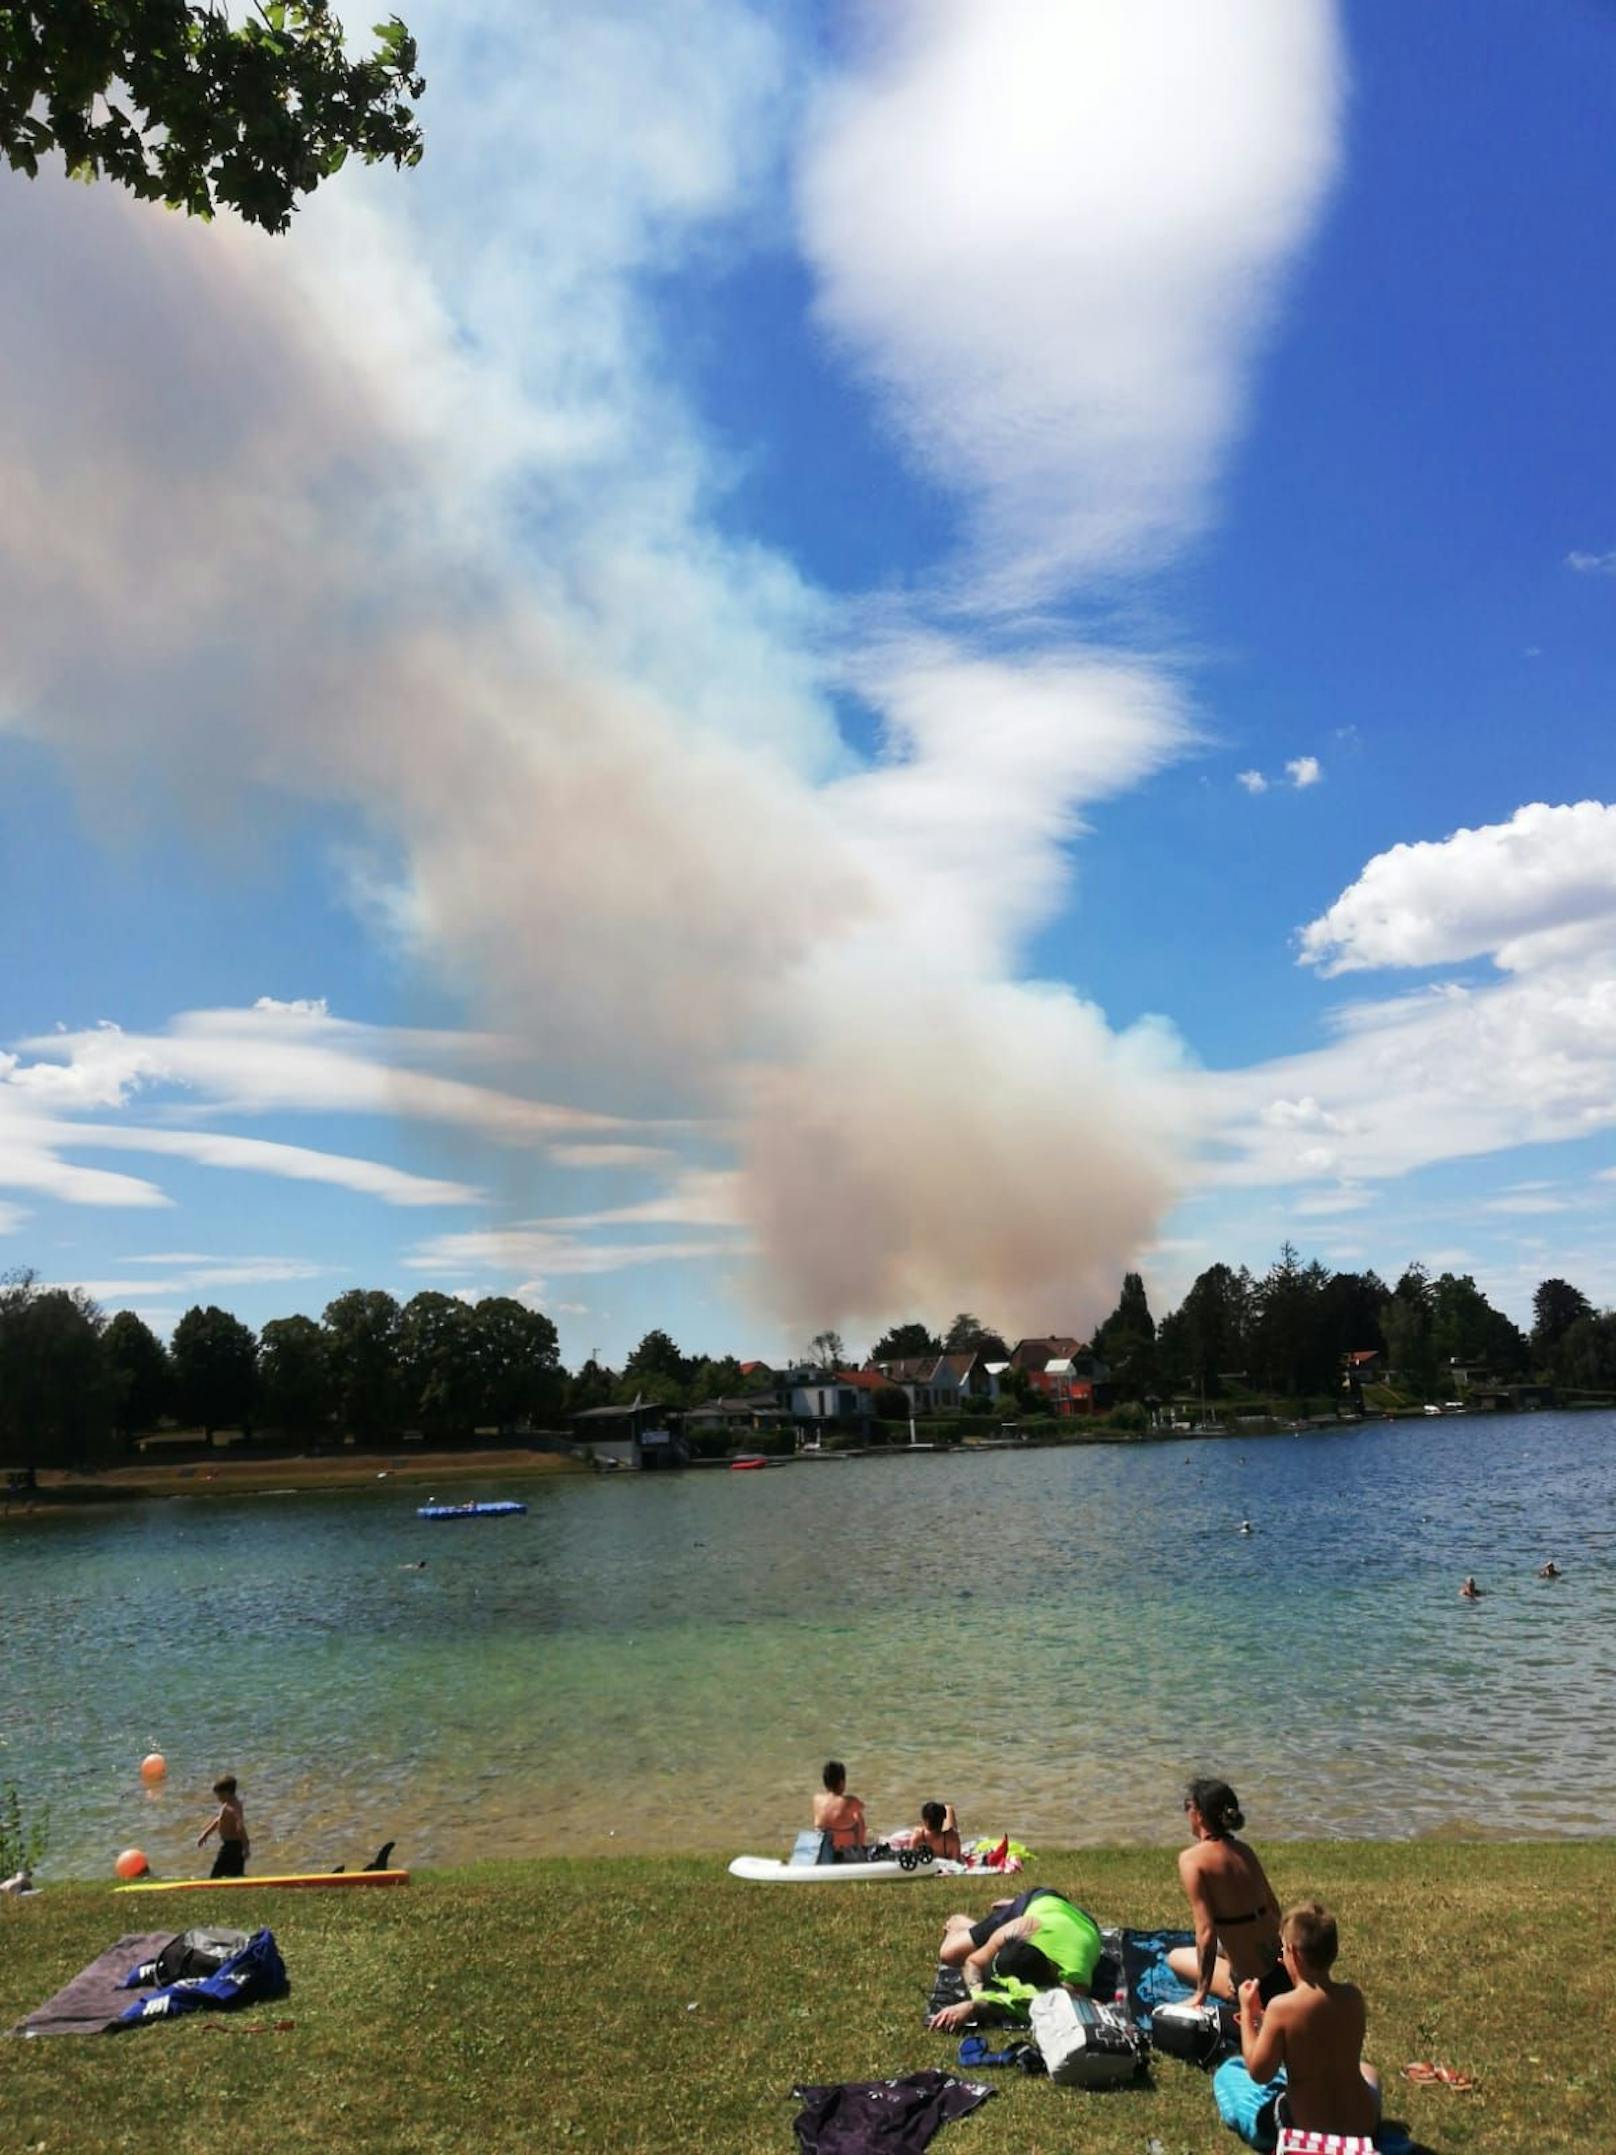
(71, 1380)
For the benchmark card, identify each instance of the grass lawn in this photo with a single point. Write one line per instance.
(647, 2004)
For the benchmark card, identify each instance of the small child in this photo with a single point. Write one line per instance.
(938, 1830)
(1303, 2051)
(231, 1827)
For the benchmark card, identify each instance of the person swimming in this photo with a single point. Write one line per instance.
(1470, 1591)
(1550, 1570)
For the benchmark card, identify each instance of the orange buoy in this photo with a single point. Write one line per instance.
(131, 1864)
(153, 1766)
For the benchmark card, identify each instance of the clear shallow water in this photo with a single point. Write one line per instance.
(1050, 1639)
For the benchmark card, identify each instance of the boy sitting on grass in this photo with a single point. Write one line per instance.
(1312, 2035)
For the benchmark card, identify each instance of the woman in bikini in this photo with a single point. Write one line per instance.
(1236, 1915)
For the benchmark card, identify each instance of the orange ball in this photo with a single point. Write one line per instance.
(153, 1766)
(131, 1864)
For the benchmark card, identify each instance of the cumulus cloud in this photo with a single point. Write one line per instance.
(1304, 771)
(1592, 564)
(1458, 1068)
(498, 613)
(1536, 890)
(1052, 235)
(1253, 781)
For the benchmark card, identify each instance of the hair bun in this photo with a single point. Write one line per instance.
(1234, 1819)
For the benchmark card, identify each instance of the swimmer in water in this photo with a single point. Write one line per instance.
(1550, 1570)
(1246, 1527)
(1470, 1591)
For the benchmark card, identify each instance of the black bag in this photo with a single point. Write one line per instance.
(1197, 2034)
(195, 1953)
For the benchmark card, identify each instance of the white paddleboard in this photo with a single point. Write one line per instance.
(769, 1870)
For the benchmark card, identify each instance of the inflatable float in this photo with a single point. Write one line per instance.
(768, 1870)
(252, 1885)
(505, 1509)
(812, 1864)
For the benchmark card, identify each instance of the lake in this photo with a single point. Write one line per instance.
(1050, 1639)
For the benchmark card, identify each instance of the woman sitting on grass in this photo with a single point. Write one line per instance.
(939, 1831)
(1236, 1914)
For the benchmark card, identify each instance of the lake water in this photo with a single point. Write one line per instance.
(1050, 1639)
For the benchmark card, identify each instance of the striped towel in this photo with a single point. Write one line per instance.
(1293, 2142)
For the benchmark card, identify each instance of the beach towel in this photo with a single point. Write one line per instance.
(92, 2003)
(255, 1973)
(883, 2117)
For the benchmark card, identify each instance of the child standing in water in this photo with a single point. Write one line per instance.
(231, 1826)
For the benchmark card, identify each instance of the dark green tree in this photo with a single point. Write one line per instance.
(1405, 1322)
(518, 1363)
(1556, 1307)
(720, 1380)
(361, 1329)
(826, 1351)
(215, 1360)
(969, 1335)
(1465, 1328)
(138, 1372)
(594, 1385)
(905, 1343)
(55, 1391)
(656, 1359)
(296, 1390)
(1126, 1342)
(1207, 1336)
(1585, 1355)
(891, 1404)
(181, 106)
(439, 1378)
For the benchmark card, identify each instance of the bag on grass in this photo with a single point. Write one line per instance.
(1195, 2033)
(1084, 2045)
(191, 1953)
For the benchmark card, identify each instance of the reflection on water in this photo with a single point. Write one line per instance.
(1050, 1640)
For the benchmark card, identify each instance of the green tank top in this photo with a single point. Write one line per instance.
(1070, 1938)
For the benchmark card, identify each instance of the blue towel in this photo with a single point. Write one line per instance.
(254, 1974)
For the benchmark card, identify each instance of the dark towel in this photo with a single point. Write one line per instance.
(883, 2117)
(255, 1973)
(93, 2001)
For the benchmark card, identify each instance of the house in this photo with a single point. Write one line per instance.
(813, 1396)
(756, 1410)
(939, 1383)
(1366, 1365)
(1031, 1355)
(640, 1435)
(1067, 1383)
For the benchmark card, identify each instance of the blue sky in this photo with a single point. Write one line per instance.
(843, 665)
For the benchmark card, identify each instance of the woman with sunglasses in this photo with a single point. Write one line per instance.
(1236, 1914)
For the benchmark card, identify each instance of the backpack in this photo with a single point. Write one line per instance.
(194, 1953)
(1085, 2045)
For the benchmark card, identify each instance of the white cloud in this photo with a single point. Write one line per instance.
(1592, 564)
(1536, 890)
(610, 1155)
(191, 1279)
(1253, 781)
(12, 1217)
(1051, 236)
(566, 1256)
(1304, 771)
(1527, 1205)
(697, 1198)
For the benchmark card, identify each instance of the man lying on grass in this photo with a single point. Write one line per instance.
(1038, 1940)
(1314, 2033)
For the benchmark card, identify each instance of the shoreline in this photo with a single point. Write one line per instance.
(220, 1475)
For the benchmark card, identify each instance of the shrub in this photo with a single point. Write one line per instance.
(23, 1838)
